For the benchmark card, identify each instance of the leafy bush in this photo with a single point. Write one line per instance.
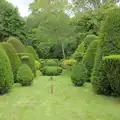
(68, 63)
(6, 75)
(32, 51)
(51, 70)
(25, 75)
(37, 64)
(78, 74)
(28, 59)
(89, 58)
(14, 59)
(109, 44)
(88, 40)
(111, 65)
(17, 44)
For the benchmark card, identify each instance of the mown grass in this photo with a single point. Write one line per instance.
(66, 103)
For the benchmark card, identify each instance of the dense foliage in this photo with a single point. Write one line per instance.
(6, 75)
(89, 58)
(109, 44)
(25, 75)
(11, 24)
(17, 44)
(13, 57)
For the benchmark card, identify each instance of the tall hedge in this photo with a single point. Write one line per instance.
(89, 58)
(88, 40)
(17, 44)
(32, 51)
(109, 44)
(111, 65)
(13, 57)
(6, 75)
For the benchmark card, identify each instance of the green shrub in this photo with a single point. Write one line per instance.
(80, 51)
(17, 44)
(78, 74)
(88, 40)
(14, 59)
(37, 64)
(68, 63)
(111, 65)
(6, 75)
(51, 70)
(28, 59)
(51, 62)
(25, 75)
(89, 58)
(32, 51)
(109, 44)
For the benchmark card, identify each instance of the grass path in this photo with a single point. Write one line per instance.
(66, 103)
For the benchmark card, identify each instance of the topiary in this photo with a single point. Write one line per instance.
(111, 65)
(28, 59)
(51, 62)
(89, 58)
(32, 51)
(109, 44)
(80, 50)
(78, 75)
(14, 59)
(6, 75)
(51, 70)
(17, 44)
(25, 75)
(88, 40)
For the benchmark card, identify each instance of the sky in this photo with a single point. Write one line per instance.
(22, 5)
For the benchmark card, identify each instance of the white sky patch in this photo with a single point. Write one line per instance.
(22, 5)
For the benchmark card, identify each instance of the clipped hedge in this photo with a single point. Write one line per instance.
(28, 59)
(88, 40)
(6, 75)
(14, 59)
(37, 65)
(111, 65)
(78, 74)
(51, 62)
(25, 75)
(51, 70)
(17, 44)
(89, 58)
(109, 44)
(32, 51)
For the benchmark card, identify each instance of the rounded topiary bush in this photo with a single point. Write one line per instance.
(51, 70)
(89, 58)
(25, 75)
(28, 59)
(109, 44)
(88, 40)
(6, 75)
(32, 51)
(17, 44)
(78, 75)
(14, 59)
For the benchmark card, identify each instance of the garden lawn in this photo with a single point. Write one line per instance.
(66, 103)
